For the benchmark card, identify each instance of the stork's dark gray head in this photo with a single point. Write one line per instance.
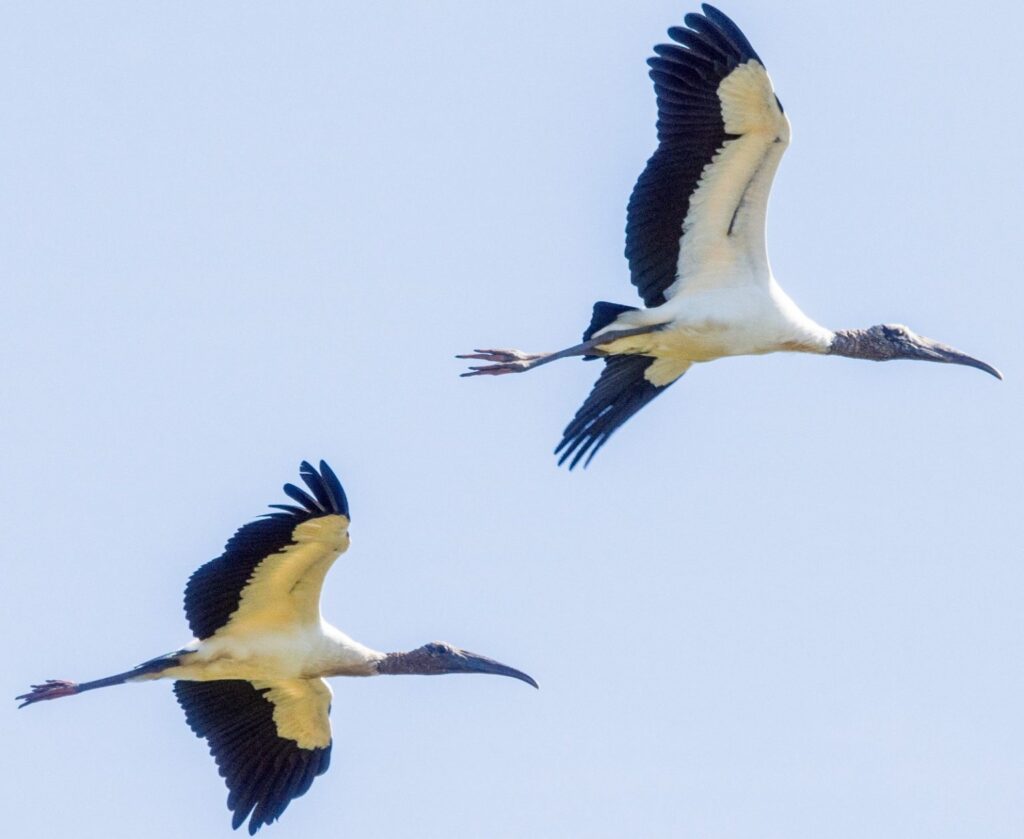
(438, 657)
(893, 340)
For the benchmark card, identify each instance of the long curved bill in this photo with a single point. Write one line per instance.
(474, 663)
(929, 350)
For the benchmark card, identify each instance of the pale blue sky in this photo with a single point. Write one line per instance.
(783, 603)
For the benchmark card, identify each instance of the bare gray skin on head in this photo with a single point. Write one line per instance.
(437, 658)
(889, 341)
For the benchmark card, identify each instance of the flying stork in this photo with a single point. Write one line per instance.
(252, 680)
(695, 242)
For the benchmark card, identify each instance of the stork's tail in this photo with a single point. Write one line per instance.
(56, 688)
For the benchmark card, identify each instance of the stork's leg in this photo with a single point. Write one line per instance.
(517, 361)
(508, 361)
(56, 688)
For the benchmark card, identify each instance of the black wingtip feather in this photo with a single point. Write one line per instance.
(313, 480)
(330, 497)
(302, 497)
(335, 491)
(731, 32)
(290, 509)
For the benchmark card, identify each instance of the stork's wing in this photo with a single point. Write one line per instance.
(702, 199)
(623, 388)
(270, 739)
(272, 569)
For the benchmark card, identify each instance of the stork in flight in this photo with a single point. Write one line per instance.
(252, 681)
(695, 242)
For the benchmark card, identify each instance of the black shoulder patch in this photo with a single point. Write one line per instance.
(263, 772)
(619, 392)
(215, 589)
(686, 76)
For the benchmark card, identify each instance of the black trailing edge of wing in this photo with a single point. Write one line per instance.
(686, 77)
(263, 771)
(620, 391)
(215, 589)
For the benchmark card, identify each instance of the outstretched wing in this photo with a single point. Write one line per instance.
(269, 739)
(272, 569)
(697, 211)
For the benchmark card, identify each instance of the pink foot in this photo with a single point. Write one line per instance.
(505, 361)
(51, 689)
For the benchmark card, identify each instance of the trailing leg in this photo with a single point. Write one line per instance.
(516, 361)
(56, 688)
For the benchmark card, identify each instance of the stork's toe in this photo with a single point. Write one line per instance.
(503, 356)
(50, 689)
(504, 361)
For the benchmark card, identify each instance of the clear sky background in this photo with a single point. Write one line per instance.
(785, 601)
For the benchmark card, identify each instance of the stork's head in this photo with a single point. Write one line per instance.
(893, 340)
(437, 657)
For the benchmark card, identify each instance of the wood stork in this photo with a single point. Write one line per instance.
(695, 242)
(251, 682)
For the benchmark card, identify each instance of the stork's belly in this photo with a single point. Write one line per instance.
(303, 654)
(723, 320)
(696, 343)
(252, 669)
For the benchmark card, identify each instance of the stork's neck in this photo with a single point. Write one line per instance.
(413, 662)
(339, 655)
(858, 343)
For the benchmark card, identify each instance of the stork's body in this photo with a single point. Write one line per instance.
(252, 680)
(711, 323)
(307, 652)
(695, 242)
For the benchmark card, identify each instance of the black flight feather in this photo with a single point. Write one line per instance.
(263, 771)
(302, 497)
(620, 391)
(686, 77)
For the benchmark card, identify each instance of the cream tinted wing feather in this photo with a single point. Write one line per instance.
(724, 231)
(284, 589)
(696, 214)
(301, 709)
